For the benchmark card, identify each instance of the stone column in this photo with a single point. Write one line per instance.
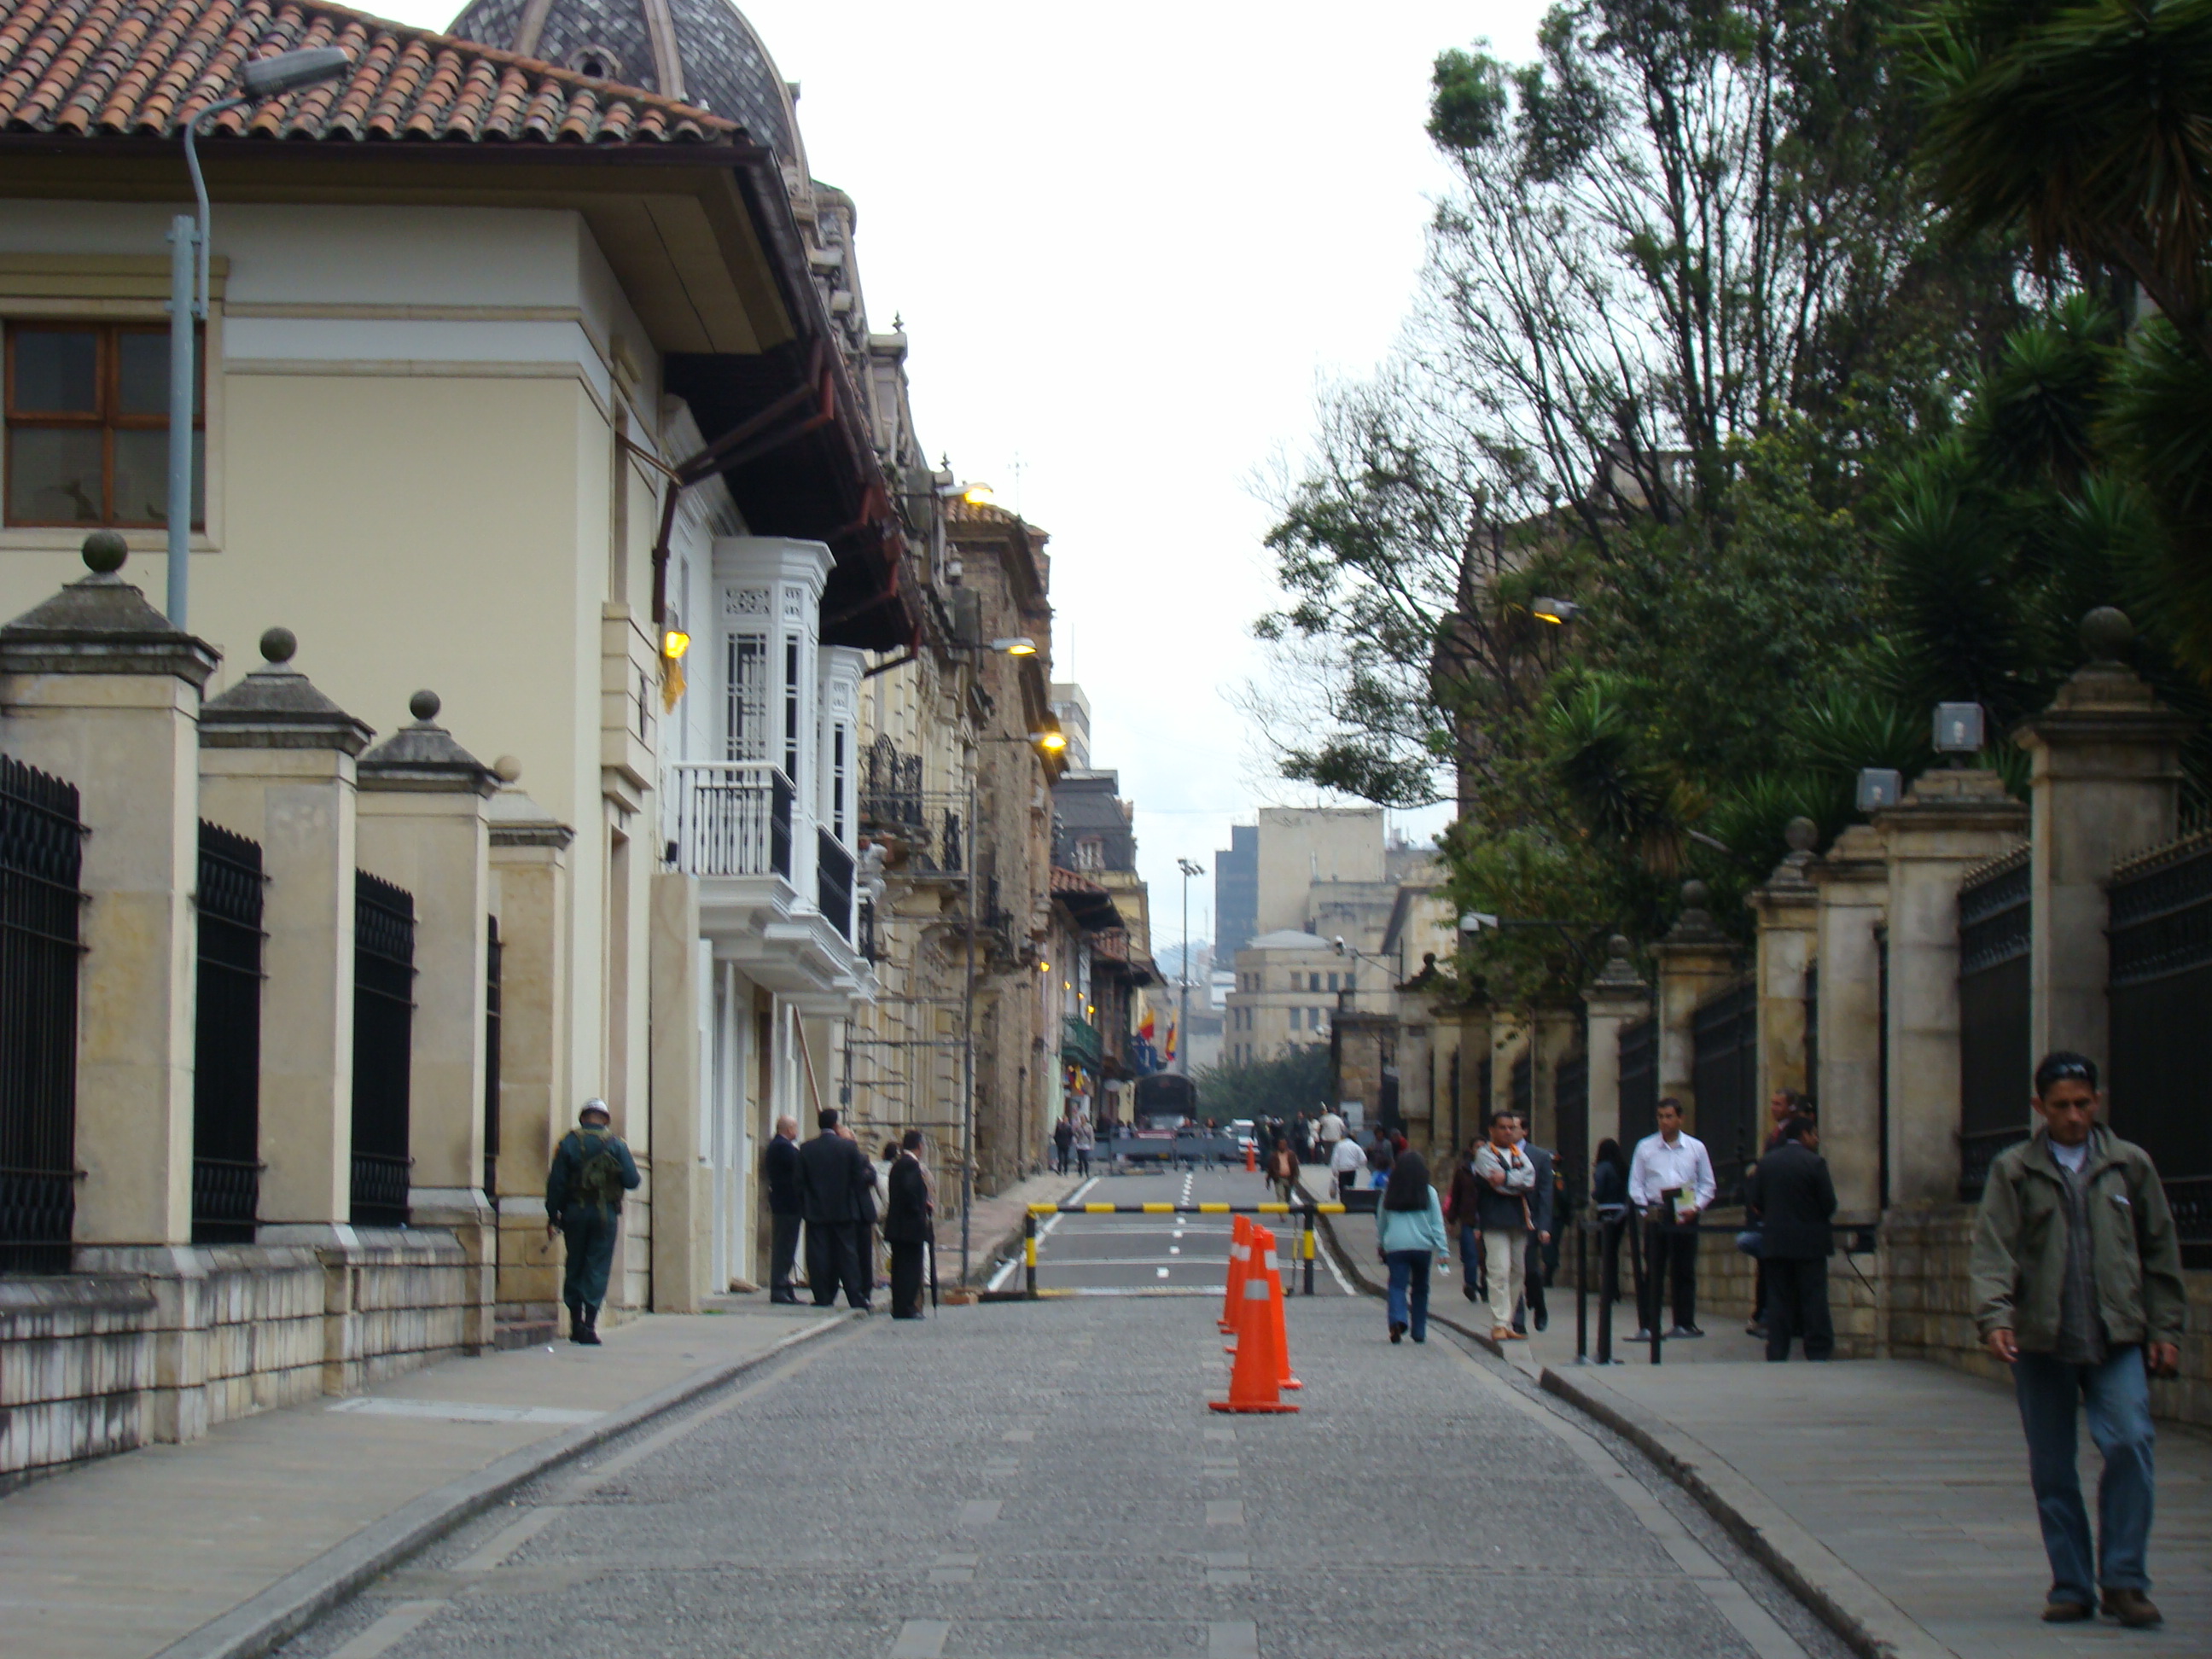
(2107, 782)
(97, 688)
(1614, 999)
(1850, 884)
(1949, 821)
(529, 862)
(423, 825)
(276, 765)
(1695, 960)
(681, 1001)
(1787, 908)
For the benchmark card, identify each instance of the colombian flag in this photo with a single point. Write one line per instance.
(1172, 1040)
(1144, 1032)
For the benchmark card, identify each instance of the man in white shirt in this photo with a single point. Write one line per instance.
(1346, 1161)
(1332, 1131)
(1670, 1179)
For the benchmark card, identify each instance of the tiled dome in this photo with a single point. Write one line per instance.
(702, 51)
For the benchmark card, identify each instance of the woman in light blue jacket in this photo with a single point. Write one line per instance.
(1409, 1232)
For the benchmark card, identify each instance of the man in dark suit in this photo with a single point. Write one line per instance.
(1539, 1231)
(780, 1173)
(1790, 1191)
(906, 1226)
(833, 1176)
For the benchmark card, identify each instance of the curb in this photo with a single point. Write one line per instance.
(281, 1611)
(1349, 1263)
(1875, 1626)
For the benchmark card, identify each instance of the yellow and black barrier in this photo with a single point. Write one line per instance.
(1305, 1247)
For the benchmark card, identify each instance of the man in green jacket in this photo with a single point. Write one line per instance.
(592, 1170)
(2077, 1286)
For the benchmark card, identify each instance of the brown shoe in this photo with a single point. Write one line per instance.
(2066, 1613)
(2133, 1608)
(1501, 1333)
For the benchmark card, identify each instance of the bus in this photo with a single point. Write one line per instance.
(1164, 1101)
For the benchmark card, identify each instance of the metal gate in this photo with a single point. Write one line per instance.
(2161, 991)
(383, 1041)
(1724, 1074)
(1640, 1082)
(493, 968)
(226, 1040)
(41, 845)
(1995, 1066)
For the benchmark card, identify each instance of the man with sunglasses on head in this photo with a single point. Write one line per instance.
(2077, 1286)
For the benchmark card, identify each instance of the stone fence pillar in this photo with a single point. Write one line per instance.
(1696, 960)
(1850, 884)
(1787, 908)
(1552, 1038)
(1474, 1019)
(423, 824)
(276, 765)
(2107, 783)
(1949, 821)
(98, 688)
(1616, 998)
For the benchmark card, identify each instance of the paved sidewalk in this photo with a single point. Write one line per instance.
(120, 1559)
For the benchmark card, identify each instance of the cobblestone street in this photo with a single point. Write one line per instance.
(1046, 1480)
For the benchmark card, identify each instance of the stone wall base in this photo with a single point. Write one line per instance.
(160, 1343)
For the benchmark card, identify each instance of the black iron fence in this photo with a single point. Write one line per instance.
(494, 966)
(1639, 1081)
(1570, 1097)
(2160, 997)
(41, 847)
(1995, 916)
(383, 1047)
(226, 1040)
(1725, 1075)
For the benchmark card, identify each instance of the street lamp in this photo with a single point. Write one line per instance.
(1558, 612)
(264, 78)
(1183, 980)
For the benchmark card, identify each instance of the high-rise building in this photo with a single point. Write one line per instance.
(1072, 708)
(1235, 891)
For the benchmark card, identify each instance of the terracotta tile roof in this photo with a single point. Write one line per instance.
(137, 68)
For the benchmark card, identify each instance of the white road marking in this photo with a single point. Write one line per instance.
(1162, 1273)
(1232, 1638)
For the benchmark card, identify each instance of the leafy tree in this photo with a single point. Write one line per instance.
(1286, 1085)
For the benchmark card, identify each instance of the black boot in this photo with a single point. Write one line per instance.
(575, 1321)
(590, 1339)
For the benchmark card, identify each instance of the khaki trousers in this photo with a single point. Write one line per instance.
(1506, 1264)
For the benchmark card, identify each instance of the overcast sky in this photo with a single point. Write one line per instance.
(1128, 245)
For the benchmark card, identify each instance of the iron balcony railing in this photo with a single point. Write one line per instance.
(729, 818)
(833, 881)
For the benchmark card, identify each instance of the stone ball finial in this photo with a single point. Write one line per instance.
(278, 644)
(424, 706)
(2105, 632)
(105, 551)
(507, 768)
(1617, 947)
(1694, 894)
(1802, 834)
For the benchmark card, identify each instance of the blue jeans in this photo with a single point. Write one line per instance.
(1409, 1272)
(2117, 1396)
(1470, 1255)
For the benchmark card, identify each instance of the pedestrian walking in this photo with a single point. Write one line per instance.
(1331, 1131)
(1084, 1141)
(1463, 1214)
(1283, 1170)
(1345, 1163)
(592, 1170)
(1409, 1235)
(1063, 1139)
(780, 1174)
(1794, 1199)
(1379, 1157)
(1670, 1179)
(908, 1214)
(2077, 1286)
(1504, 1177)
(1781, 1106)
(1543, 1200)
(1610, 1209)
(835, 1178)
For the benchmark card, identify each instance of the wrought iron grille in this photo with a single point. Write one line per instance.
(1570, 1097)
(493, 968)
(226, 1040)
(1639, 1081)
(41, 847)
(2160, 997)
(383, 1047)
(1725, 1075)
(1995, 916)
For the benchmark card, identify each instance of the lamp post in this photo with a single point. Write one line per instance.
(264, 78)
(1183, 980)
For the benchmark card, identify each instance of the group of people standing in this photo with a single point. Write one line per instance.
(828, 1186)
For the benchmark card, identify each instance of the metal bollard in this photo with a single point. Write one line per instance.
(1608, 1283)
(1029, 1251)
(1581, 1290)
(1312, 1221)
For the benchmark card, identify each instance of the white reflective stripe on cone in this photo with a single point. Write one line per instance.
(1256, 1290)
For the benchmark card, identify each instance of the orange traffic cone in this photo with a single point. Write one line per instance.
(1251, 1156)
(1240, 1257)
(1256, 1380)
(1273, 1316)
